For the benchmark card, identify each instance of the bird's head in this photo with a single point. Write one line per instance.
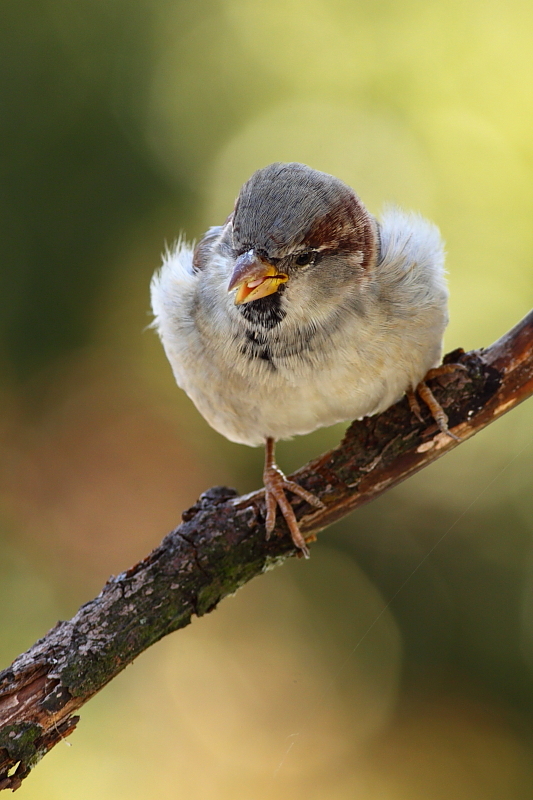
(290, 221)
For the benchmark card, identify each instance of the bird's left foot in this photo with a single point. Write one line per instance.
(425, 393)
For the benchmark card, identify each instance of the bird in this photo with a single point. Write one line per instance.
(300, 311)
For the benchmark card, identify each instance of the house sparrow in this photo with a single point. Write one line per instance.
(300, 311)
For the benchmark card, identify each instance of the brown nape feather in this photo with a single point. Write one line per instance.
(347, 227)
(203, 250)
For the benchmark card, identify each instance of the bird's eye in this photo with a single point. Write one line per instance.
(303, 259)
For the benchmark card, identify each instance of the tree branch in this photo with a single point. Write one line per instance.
(220, 545)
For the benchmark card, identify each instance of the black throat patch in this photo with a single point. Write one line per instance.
(265, 312)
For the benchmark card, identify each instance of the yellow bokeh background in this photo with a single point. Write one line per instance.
(398, 663)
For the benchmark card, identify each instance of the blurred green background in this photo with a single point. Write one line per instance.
(398, 663)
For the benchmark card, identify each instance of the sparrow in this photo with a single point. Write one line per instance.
(300, 311)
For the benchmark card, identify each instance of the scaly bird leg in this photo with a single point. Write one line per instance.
(276, 484)
(425, 393)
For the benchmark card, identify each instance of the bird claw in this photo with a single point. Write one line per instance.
(425, 393)
(276, 484)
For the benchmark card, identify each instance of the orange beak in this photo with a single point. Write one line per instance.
(253, 277)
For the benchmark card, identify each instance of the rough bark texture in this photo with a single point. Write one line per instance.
(221, 544)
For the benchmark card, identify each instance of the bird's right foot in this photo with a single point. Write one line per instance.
(276, 484)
